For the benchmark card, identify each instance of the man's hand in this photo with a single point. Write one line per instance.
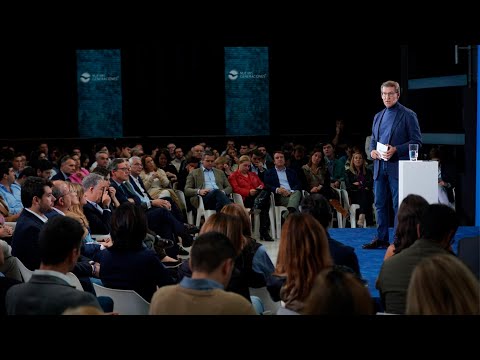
(162, 203)
(203, 192)
(391, 150)
(374, 154)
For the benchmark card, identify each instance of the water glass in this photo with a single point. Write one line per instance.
(413, 152)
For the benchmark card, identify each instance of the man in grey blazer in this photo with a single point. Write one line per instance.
(49, 291)
(209, 183)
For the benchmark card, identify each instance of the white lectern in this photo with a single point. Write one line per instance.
(419, 178)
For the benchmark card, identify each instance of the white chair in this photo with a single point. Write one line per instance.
(278, 215)
(125, 302)
(352, 209)
(74, 281)
(201, 211)
(26, 273)
(181, 196)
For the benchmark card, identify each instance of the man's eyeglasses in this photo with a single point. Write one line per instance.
(125, 169)
(389, 94)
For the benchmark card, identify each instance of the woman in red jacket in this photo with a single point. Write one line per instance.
(251, 188)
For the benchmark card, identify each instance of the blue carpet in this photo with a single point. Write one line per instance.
(371, 260)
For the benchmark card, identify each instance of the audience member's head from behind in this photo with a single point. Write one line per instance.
(338, 291)
(317, 206)
(239, 212)
(212, 257)
(83, 310)
(409, 214)
(59, 243)
(129, 227)
(227, 225)
(439, 223)
(303, 252)
(443, 285)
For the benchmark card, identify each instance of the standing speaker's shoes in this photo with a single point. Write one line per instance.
(376, 244)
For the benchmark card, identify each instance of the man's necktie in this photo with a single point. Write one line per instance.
(129, 188)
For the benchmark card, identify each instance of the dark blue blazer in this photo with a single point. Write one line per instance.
(59, 176)
(123, 194)
(98, 223)
(405, 131)
(271, 180)
(25, 239)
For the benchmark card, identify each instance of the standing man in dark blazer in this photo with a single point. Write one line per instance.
(396, 126)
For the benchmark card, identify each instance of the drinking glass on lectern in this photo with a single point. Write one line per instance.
(413, 151)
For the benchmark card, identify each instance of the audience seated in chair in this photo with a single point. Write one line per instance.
(318, 206)
(443, 285)
(251, 188)
(209, 183)
(303, 252)
(436, 230)
(49, 292)
(338, 291)
(128, 264)
(359, 183)
(212, 262)
(257, 263)
(284, 183)
(409, 214)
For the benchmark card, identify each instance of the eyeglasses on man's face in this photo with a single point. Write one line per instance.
(389, 94)
(124, 169)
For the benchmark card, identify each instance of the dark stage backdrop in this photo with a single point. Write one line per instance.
(99, 92)
(247, 91)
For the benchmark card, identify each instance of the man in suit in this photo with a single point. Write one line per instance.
(209, 183)
(284, 183)
(97, 209)
(160, 220)
(138, 186)
(37, 198)
(396, 126)
(67, 168)
(49, 291)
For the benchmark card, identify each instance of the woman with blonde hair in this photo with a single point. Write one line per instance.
(359, 183)
(303, 252)
(249, 186)
(443, 285)
(76, 209)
